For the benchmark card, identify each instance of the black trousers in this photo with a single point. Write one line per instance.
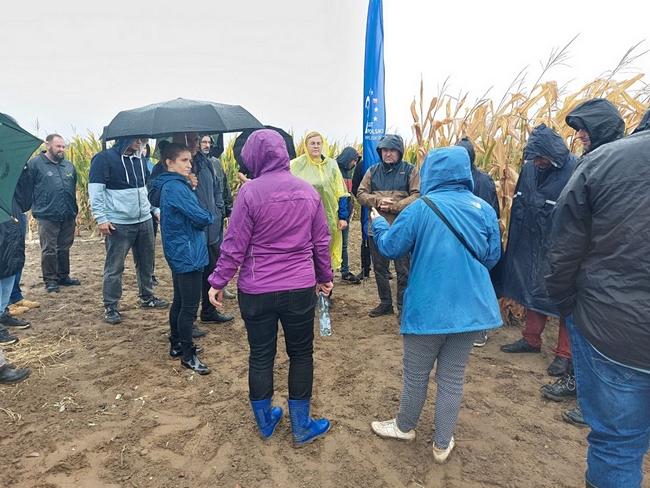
(56, 239)
(213, 253)
(187, 293)
(294, 309)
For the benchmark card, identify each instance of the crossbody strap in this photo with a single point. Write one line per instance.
(462, 240)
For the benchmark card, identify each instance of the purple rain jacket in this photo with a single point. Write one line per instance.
(277, 233)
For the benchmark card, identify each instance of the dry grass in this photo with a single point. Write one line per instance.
(40, 352)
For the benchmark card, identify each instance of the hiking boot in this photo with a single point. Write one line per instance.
(441, 456)
(6, 338)
(228, 295)
(196, 332)
(11, 375)
(67, 281)
(381, 309)
(574, 417)
(154, 302)
(388, 429)
(51, 288)
(8, 321)
(350, 279)
(562, 389)
(481, 340)
(522, 345)
(27, 303)
(216, 317)
(112, 316)
(559, 367)
(17, 309)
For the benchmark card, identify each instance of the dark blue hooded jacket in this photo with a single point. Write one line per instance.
(116, 186)
(520, 274)
(182, 224)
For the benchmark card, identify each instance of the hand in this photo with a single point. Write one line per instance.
(216, 297)
(373, 214)
(385, 204)
(106, 228)
(194, 182)
(157, 217)
(325, 288)
(342, 225)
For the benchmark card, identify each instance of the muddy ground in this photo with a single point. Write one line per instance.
(106, 407)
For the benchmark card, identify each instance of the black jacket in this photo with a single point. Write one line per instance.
(520, 274)
(12, 232)
(484, 186)
(343, 160)
(55, 189)
(599, 258)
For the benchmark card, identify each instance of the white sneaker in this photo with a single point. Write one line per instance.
(388, 430)
(481, 340)
(441, 456)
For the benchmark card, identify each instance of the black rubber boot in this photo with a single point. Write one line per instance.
(191, 361)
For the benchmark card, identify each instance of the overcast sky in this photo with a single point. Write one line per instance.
(72, 65)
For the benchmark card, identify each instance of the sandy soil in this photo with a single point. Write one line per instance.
(106, 407)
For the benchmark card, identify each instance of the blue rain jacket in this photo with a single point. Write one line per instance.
(448, 290)
(182, 224)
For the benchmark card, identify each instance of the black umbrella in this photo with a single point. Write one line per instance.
(243, 137)
(180, 115)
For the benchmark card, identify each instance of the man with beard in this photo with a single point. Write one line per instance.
(55, 209)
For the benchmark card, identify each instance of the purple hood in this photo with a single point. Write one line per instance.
(277, 236)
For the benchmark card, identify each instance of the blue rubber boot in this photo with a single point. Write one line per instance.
(267, 417)
(305, 429)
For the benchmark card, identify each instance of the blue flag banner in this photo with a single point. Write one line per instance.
(374, 108)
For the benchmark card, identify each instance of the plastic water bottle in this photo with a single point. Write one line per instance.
(324, 315)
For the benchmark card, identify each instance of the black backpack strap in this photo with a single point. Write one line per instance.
(462, 240)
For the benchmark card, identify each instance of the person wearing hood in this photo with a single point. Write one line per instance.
(212, 152)
(182, 224)
(485, 188)
(390, 187)
(55, 209)
(324, 175)
(278, 238)
(347, 161)
(449, 297)
(597, 122)
(118, 200)
(549, 165)
(599, 278)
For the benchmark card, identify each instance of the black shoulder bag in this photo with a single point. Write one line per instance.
(462, 240)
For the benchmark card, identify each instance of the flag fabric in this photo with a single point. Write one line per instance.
(374, 108)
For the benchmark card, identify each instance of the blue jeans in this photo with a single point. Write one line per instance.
(261, 313)
(137, 238)
(5, 292)
(614, 401)
(345, 266)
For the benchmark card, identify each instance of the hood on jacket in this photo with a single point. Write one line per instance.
(121, 145)
(391, 141)
(348, 155)
(600, 118)
(264, 152)
(546, 143)
(467, 144)
(644, 124)
(446, 166)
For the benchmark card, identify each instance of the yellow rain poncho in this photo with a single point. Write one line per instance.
(325, 177)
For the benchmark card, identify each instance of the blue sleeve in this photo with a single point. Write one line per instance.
(181, 197)
(394, 241)
(343, 208)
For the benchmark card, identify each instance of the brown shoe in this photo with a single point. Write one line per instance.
(15, 309)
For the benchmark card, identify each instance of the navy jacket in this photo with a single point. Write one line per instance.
(520, 275)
